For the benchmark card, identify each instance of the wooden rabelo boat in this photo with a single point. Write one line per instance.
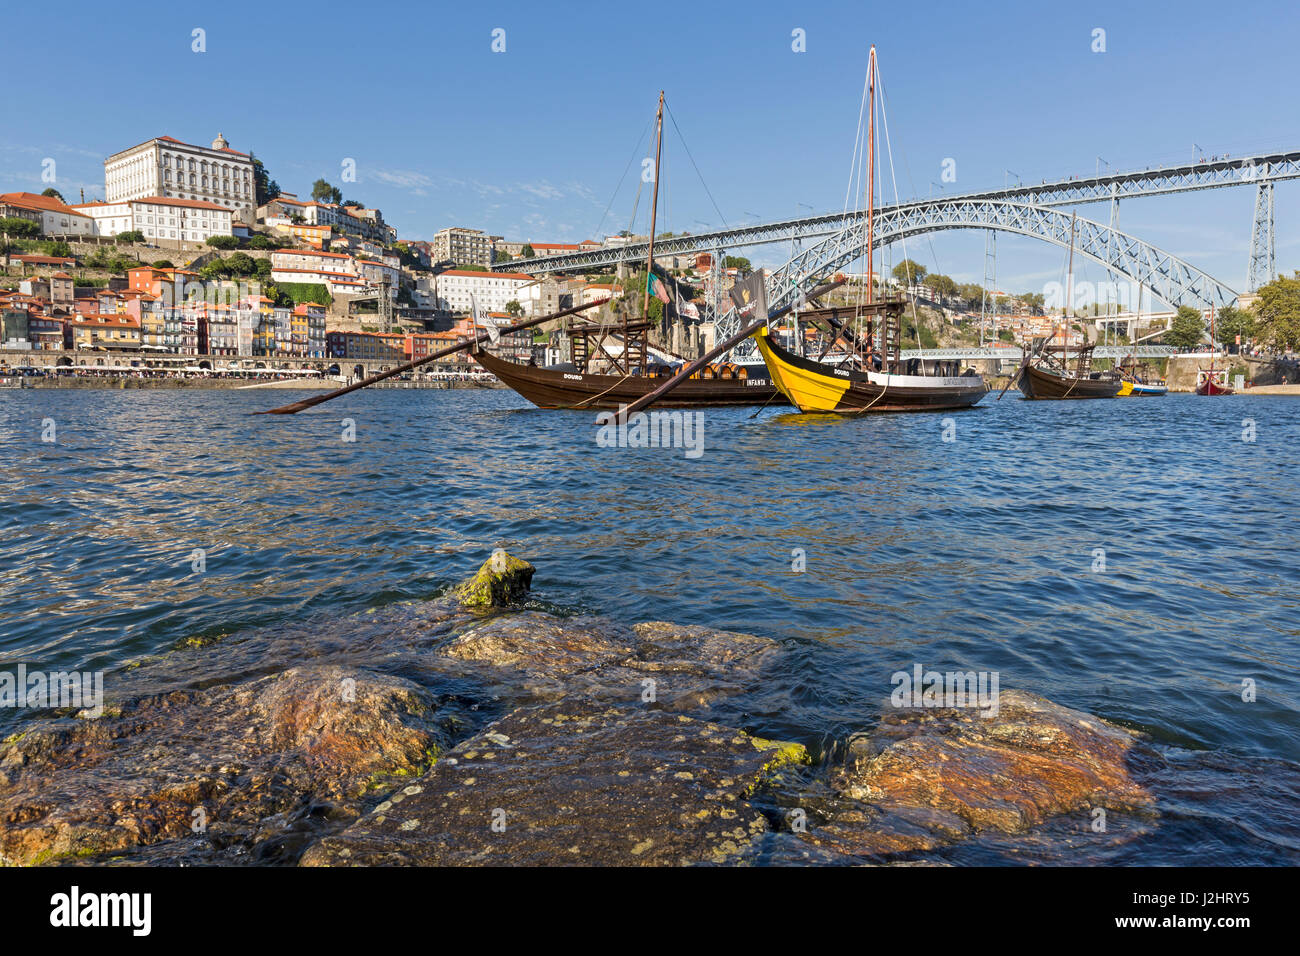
(556, 388)
(612, 362)
(1212, 380)
(1046, 373)
(871, 376)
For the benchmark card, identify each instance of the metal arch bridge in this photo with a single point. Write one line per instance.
(1261, 171)
(1168, 277)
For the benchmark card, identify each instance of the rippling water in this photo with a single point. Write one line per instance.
(972, 554)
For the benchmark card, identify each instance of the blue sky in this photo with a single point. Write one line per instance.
(532, 142)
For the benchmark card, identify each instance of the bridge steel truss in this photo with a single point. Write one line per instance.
(1168, 277)
(1261, 170)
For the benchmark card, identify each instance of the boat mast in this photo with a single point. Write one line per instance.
(1069, 298)
(871, 173)
(654, 211)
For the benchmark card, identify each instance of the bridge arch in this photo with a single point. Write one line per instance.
(1167, 277)
(1170, 279)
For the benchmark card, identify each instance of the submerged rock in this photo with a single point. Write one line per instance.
(233, 765)
(926, 777)
(575, 783)
(676, 666)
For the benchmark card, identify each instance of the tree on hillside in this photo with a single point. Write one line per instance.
(1231, 323)
(19, 228)
(528, 252)
(52, 192)
(322, 191)
(514, 308)
(350, 203)
(1278, 313)
(943, 286)
(264, 187)
(737, 262)
(131, 235)
(500, 255)
(1187, 328)
(909, 272)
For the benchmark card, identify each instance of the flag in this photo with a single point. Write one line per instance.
(655, 286)
(749, 296)
(494, 334)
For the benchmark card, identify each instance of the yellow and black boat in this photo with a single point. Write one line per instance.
(877, 381)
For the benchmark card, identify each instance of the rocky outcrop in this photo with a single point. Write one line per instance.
(460, 732)
(925, 777)
(575, 783)
(236, 765)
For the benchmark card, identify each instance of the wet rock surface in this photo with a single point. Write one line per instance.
(575, 783)
(238, 763)
(458, 731)
(928, 777)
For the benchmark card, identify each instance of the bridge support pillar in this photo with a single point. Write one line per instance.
(1262, 262)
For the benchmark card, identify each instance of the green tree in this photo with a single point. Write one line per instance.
(264, 187)
(909, 272)
(500, 255)
(131, 235)
(163, 264)
(943, 286)
(19, 228)
(241, 264)
(514, 308)
(737, 262)
(1187, 328)
(222, 242)
(527, 252)
(60, 249)
(1277, 313)
(51, 191)
(1232, 322)
(322, 191)
(259, 241)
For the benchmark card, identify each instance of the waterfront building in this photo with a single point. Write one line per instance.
(365, 345)
(120, 333)
(165, 167)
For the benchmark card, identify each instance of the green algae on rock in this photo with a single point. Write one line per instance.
(503, 580)
(574, 783)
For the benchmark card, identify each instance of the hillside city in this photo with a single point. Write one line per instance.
(195, 260)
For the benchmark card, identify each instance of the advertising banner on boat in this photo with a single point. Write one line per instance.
(749, 295)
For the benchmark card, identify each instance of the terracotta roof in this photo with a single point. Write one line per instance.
(37, 201)
(45, 260)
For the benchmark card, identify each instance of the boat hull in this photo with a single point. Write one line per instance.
(1142, 390)
(1037, 384)
(813, 387)
(550, 388)
(1211, 387)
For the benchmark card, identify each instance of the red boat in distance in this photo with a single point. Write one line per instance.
(1213, 381)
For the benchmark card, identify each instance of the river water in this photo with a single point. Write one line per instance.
(1132, 558)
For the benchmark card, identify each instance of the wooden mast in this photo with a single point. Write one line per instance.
(1069, 297)
(871, 173)
(654, 214)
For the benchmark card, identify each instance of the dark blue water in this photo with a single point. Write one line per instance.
(972, 554)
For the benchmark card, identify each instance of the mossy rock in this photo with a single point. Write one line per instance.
(503, 580)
